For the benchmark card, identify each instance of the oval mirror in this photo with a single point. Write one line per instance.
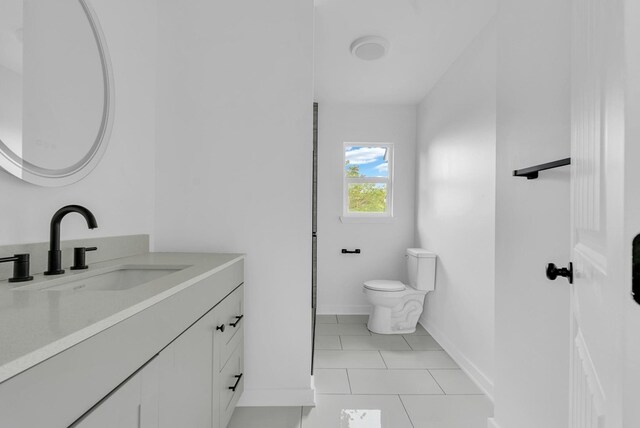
(56, 90)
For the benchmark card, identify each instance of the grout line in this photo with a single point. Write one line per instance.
(349, 381)
(407, 342)
(384, 350)
(436, 380)
(406, 411)
(337, 333)
(388, 394)
(385, 363)
(432, 394)
(374, 349)
(466, 394)
(387, 368)
(342, 394)
(363, 350)
(410, 346)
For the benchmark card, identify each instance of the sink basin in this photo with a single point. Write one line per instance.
(115, 278)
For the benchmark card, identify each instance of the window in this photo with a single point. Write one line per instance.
(368, 180)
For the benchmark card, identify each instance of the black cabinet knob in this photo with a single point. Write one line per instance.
(553, 272)
(221, 328)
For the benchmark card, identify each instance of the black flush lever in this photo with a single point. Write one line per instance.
(553, 272)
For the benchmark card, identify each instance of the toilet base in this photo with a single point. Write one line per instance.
(376, 331)
(401, 319)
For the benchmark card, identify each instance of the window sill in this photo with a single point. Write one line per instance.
(355, 219)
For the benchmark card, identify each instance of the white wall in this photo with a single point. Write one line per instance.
(234, 163)
(532, 216)
(120, 190)
(456, 205)
(383, 245)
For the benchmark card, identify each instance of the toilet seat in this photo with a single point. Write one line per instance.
(384, 285)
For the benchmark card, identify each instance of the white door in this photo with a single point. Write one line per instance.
(631, 386)
(604, 319)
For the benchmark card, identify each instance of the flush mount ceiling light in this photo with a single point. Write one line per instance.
(369, 48)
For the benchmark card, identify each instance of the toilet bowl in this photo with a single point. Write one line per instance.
(396, 307)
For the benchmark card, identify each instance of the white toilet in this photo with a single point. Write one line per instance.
(396, 307)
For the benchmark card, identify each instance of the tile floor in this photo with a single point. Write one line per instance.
(366, 380)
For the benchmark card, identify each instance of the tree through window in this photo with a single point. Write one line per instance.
(368, 179)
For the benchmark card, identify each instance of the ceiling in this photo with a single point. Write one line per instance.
(425, 37)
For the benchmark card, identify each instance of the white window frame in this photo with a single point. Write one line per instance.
(388, 214)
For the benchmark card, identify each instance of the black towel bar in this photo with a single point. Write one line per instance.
(532, 172)
(356, 251)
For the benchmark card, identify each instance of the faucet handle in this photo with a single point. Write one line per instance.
(80, 257)
(20, 267)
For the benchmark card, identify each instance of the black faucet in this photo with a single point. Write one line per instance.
(20, 267)
(55, 255)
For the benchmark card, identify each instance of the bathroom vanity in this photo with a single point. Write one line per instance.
(148, 340)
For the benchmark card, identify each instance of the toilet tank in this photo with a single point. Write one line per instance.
(421, 265)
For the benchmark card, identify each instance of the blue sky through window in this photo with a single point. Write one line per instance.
(370, 160)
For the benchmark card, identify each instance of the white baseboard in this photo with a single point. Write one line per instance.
(491, 423)
(476, 375)
(343, 310)
(277, 398)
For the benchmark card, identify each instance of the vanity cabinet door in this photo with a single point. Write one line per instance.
(133, 404)
(186, 376)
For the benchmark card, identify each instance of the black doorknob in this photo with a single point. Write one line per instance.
(221, 328)
(553, 272)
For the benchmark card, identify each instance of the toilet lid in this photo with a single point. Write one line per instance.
(384, 285)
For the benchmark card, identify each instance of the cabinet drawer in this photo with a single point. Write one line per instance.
(229, 348)
(230, 313)
(231, 384)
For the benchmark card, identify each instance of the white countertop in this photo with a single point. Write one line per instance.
(36, 325)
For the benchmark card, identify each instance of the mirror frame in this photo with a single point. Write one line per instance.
(34, 174)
